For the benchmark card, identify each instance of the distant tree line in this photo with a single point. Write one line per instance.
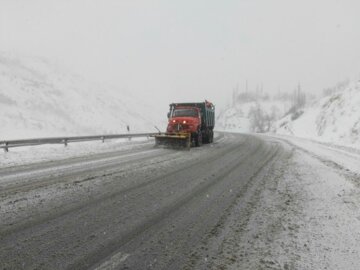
(298, 100)
(262, 121)
(249, 96)
(340, 86)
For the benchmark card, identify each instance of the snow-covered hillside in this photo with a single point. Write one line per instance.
(236, 118)
(334, 119)
(38, 99)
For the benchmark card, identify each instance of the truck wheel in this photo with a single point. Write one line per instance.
(198, 139)
(207, 137)
(211, 137)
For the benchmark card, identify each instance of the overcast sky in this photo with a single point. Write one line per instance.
(177, 50)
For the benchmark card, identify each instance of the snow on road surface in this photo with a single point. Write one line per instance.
(246, 202)
(44, 153)
(341, 156)
(305, 216)
(49, 153)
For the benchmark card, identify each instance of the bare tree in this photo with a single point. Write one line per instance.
(298, 99)
(260, 121)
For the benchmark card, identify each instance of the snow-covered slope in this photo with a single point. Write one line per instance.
(38, 99)
(236, 118)
(334, 119)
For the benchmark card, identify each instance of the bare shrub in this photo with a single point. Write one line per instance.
(260, 122)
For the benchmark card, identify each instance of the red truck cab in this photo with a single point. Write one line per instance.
(184, 119)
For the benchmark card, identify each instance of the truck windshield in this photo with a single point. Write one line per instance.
(185, 112)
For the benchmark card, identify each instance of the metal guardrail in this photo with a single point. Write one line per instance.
(6, 144)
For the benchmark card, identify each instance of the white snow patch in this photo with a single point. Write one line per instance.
(39, 99)
(34, 154)
(346, 157)
(334, 119)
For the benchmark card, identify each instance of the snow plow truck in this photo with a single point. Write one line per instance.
(189, 124)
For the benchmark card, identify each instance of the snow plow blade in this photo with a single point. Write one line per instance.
(181, 140)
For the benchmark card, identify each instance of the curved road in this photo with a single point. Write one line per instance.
(142, 209)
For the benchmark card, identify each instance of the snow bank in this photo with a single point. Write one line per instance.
(334, 119)
(44, 153)
(341, 157)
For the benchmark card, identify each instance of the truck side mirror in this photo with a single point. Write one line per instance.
(168, 115)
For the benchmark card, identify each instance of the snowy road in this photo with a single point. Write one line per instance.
(244, 202)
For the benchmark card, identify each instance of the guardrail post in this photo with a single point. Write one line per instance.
(6, 148)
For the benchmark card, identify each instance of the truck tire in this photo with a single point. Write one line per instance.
(198, 139)
(207, 136)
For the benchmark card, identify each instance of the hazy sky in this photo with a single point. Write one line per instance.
(177, 50)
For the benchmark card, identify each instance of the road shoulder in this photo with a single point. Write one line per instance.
(302, 214)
